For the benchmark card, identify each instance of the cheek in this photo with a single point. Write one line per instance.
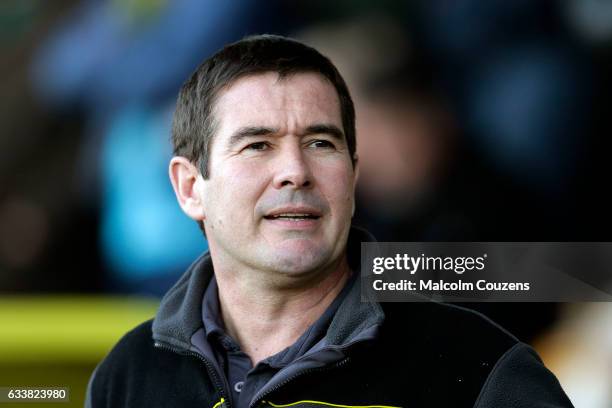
(236, 191)
(338, 187)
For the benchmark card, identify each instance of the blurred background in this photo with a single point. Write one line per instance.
(477, 120)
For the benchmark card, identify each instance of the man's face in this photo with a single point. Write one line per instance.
(280, 196)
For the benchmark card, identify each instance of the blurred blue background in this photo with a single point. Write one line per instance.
(478, 120)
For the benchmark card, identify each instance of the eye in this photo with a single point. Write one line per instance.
(257, 146)
(320, 143)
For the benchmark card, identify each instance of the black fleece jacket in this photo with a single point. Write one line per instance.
(390, 355)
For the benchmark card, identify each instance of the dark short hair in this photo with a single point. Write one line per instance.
(194, 126)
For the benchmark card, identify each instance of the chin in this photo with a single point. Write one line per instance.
(299, 259)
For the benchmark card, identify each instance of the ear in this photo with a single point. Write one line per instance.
(187, 183)
(355, 169)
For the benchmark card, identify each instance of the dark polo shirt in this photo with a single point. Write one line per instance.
(244, 379)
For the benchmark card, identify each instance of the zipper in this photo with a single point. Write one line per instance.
(209, 367)
(260, 397)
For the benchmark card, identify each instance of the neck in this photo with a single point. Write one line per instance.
(265, 318)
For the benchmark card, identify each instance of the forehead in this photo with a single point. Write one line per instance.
(293, 102)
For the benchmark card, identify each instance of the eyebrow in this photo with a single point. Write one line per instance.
(251, 131)
(324, 128)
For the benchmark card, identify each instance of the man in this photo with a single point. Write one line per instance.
(264, 139)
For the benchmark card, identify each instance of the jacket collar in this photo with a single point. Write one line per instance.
(180, 311)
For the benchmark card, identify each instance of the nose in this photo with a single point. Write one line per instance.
(292, 169)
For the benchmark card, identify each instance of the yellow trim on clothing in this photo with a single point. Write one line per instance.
(221, 401)
(327, 404)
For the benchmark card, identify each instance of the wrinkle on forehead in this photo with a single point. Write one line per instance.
(290, 103)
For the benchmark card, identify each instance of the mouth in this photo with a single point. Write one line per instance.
(293, 215)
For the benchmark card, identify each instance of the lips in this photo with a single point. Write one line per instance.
(293, 214)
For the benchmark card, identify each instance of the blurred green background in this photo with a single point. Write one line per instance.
(48, 341)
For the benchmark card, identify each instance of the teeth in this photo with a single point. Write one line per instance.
(292, 216)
